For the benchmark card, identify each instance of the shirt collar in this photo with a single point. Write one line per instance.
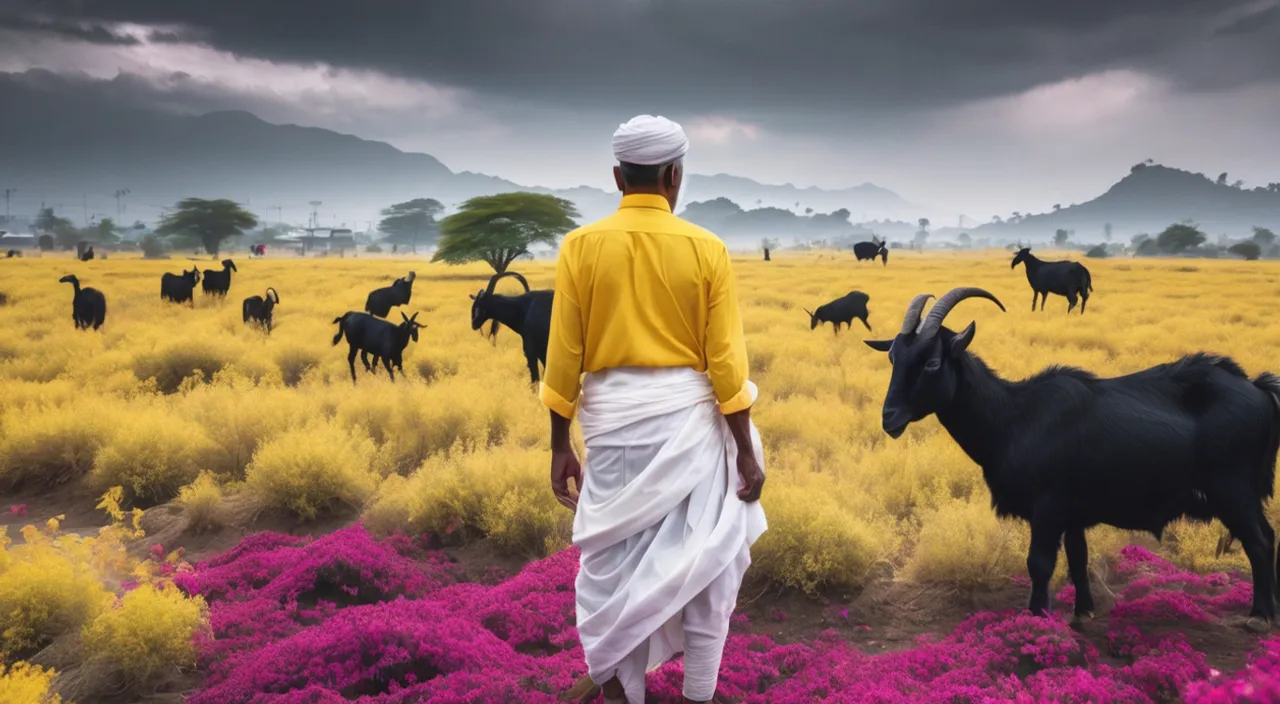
(645, 200)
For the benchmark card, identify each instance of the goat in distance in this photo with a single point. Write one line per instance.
(841, 310)
(1064, 278)
(385, 341)
(88, 305)
(528, 315)
(180, 288)
(1066, 450)
(259, 308)
(382, 300)
(218, 282)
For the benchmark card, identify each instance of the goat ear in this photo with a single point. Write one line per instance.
(879, 345)
(961, 341)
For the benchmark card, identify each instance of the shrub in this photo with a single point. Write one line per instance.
(173, 364)
(153, 454)
(202, 501)
(46, 588)
(1097, 251)
(963, 542)
(312, 470)
(151, 628)
(294, 362)
(373, 249)
(24, 683)
(152, 247)
(51, 445)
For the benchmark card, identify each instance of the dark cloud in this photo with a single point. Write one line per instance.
(764, 58)
(94, 33)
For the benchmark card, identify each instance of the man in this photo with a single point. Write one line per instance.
(645, 305)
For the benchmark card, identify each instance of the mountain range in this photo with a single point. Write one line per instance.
(67, 148)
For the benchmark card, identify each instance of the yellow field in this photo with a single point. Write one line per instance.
(164, 393)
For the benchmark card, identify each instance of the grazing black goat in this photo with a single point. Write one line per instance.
(382, 300)
(13, 253)
(258, 308)
(528, 315)
(368, 335)
(218, 282)
(870, 250)
(88, 307)
(842, 310)
(1066, 450)
(1063, 278)
(87, 255)
(180, 288)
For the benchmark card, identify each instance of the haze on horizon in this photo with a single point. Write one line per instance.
(968, 106)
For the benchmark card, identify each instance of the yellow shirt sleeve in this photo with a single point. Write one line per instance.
(726, 348)
(563, 377)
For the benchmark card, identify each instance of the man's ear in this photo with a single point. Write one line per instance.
(879, 345)
(961, 341)
(617, 179)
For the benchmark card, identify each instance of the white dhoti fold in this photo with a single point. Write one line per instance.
(665, 539)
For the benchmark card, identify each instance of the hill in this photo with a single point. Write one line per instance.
(73, 149)
(1150, 198)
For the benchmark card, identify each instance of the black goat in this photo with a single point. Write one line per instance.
(88, 307)
(258, 308)
(13, 253)
(842, 310)
(870, 250)
(218, 282)
(528, 315)
(1063, 278)
(382, 300)
(180, 288)
(87, 255)
(368, 335)
(1066, 450)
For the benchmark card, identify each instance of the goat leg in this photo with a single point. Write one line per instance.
(1047, 527)
(351, 362)
(1078, 566)
(386, 362)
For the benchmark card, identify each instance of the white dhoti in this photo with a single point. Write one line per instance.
(665, 539)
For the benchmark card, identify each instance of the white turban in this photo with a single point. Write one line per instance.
(649, 141)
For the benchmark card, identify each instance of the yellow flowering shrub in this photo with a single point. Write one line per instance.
(150, 628)
(313, 470)
(24, 683)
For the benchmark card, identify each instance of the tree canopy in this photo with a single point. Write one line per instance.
(1247, 249)
(501, 228)
(210, 220)
(1263, 236)
(1060, 237)
(60, 229)
(1179, 238)
(412, 222)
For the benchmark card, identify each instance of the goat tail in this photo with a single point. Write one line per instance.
(1088, 281)
(339, 320)
(1270, 384)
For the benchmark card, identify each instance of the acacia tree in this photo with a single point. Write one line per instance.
(411, 222)
(500, 229)
(210, 220)
(1247, 249)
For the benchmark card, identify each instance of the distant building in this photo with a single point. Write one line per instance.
(322, 239)
(13, 240)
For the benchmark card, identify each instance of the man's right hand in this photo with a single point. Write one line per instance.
(565, 466)
(752, 476)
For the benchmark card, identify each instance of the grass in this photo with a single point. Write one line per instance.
(164, 393)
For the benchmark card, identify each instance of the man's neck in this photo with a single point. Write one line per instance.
(629, 191)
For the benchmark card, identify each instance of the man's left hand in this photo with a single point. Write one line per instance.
(565, 466)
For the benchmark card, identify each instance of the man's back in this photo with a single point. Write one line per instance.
(644, 288)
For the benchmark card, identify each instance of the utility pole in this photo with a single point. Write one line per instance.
(279, 216)
(315, 218)
(86, 209)
(119, 207)
(7, 193)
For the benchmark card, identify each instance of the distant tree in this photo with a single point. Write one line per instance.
(711, 214)
(211, 221)
(1060, 237)
(1148, 248)
(1247, 249)
(1015, 217)
(1238, 183)
(45, 243)
(1097, 252)
(1106, 232)
(1222, 178)
(412, 222)
(923, 223)
(499, 229)
(1263, 236)
(1178, 238)
(1057, 207)
(964, 239)
(1273, 187)
(152, 246)
(1139, 238)
(139, 225)
(105, 231)
(64, 234)
(922, 235)
(808, 211)
(996, 219)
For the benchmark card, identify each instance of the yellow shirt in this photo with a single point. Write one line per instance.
(644, 288)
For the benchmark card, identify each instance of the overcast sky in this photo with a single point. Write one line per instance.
(973, 106)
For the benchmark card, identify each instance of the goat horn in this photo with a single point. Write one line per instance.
(493, 281)
(914, 309)
(807, 311)
(271, 293)
(411, 277)
(944, 305)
